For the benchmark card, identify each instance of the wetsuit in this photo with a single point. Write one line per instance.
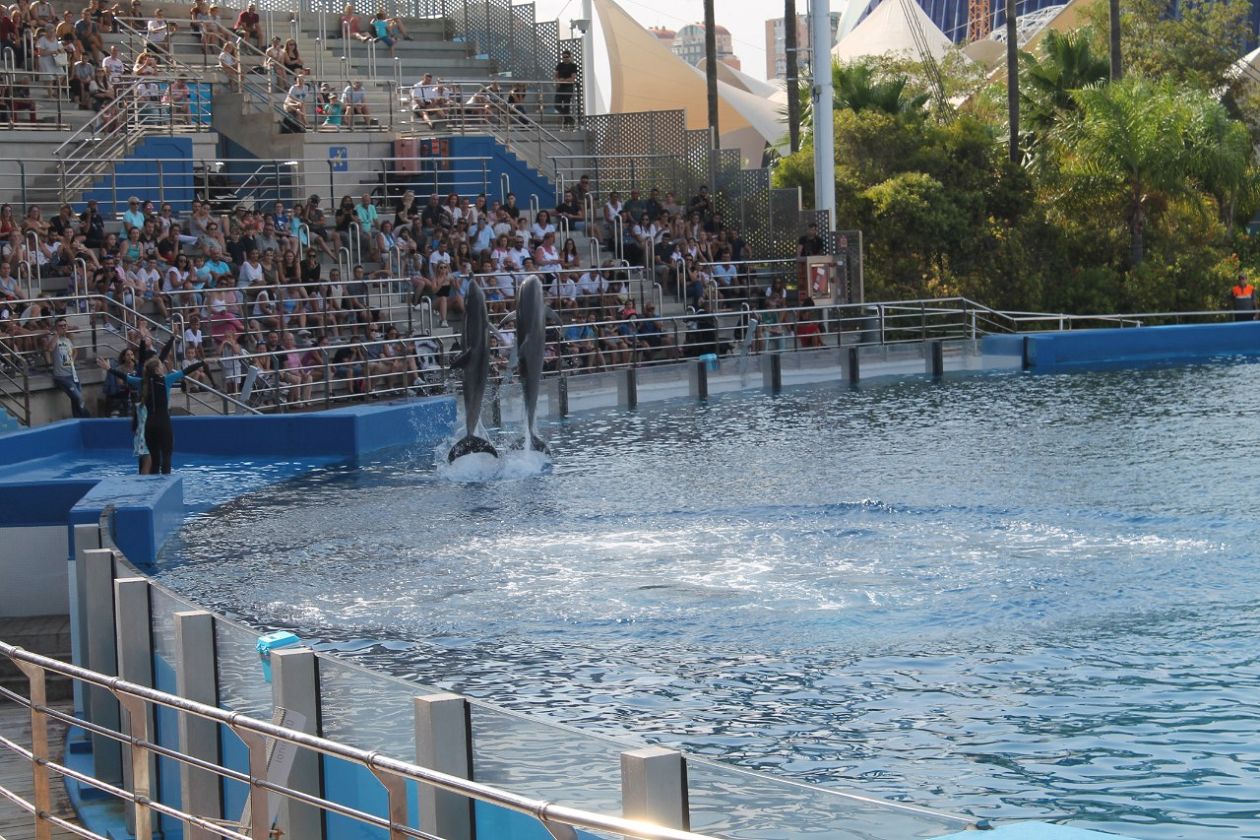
(159, 437)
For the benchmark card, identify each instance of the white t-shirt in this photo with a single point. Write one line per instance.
(297, 94)
(158, 31)
(566, 289)
(192, 337)
(439, 258)
(249, 274)
(591, 283)
(115, 68)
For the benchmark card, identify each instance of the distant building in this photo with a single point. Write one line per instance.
(776, 57)
(688, 44)
(665, 36)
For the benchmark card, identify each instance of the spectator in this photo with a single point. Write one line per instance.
(566, 82)
(230, 65)
(295, 99)
(382, 32)
(159, 32)
(247, 25)
(114, 65)
(88, 31)
(61, 355)
(349, 26)
(354, 103)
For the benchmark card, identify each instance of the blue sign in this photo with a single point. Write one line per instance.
(339, 158)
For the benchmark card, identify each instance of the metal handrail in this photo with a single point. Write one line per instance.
(262, 731)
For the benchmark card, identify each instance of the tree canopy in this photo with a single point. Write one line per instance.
(1132, 194)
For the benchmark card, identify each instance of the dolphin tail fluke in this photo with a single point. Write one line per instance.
(470, 444)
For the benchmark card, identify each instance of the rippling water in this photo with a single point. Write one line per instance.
(1018, 596)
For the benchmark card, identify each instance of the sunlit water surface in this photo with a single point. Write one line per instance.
(1014, 596)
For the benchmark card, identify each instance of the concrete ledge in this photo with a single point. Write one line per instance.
(147, 510)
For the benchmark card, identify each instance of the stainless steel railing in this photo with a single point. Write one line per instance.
(140, 702)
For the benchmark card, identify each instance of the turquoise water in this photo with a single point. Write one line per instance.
(1013, 596)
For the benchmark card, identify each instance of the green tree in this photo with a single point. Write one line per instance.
(1066, 62)
(1136, 146)
(1196, 46)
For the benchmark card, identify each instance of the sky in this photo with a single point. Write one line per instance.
(746, 20)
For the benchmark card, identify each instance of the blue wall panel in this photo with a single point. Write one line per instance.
(166, 726)
(525, 180)
(350, 784)
(1142, 345)
(141, 175)
(147, 509)
(234, 756)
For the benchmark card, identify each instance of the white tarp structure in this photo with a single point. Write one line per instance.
(643, 75)
(889, 30)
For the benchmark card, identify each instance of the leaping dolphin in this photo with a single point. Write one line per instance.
(475, 360)
(531, 341)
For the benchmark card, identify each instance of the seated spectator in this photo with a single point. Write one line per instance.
(248, 25)
(88, 31)
(159, 31)
(354, 104)
(295, 99)
(349, 26)
(230, 65)
(383, 33)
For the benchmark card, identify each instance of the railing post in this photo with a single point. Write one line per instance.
(628, 389)
(39, 748)
(295, 686)
(654, 787)
(195, 680)
(698, 385)
(135, 665)
(444, 743)
(102, 657)
(22, 176)
(772, 372)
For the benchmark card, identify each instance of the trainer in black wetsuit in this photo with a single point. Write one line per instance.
(155, 393)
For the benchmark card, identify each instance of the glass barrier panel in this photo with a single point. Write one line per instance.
(162, 608)
(368, 710)
(242, 688)
(545, 761)
(742, 805)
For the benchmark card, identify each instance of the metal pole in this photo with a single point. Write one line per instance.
(790, 53)
(824, 129)
(1012, 80)
(710, 73)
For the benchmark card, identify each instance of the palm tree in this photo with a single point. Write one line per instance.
(1136, 146)
(1067, 63)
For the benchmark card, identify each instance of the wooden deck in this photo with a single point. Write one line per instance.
(15, 773)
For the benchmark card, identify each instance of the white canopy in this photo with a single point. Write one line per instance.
(888, 29)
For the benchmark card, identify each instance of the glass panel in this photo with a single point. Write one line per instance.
(738, 804)
(242, 687)
(162, 608)
(368, 710)
(546, 761)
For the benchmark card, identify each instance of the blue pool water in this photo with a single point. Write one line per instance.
(1014, 596)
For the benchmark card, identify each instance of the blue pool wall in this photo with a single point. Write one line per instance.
(150, 508)
(1132, 346)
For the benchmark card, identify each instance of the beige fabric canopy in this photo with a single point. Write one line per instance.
(645, 76)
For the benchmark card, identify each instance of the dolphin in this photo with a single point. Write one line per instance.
(475, 360)
(531, 340)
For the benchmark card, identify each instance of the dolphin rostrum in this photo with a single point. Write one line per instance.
(475, 360)
(531, 340)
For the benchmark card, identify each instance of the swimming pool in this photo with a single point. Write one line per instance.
(1019, 596)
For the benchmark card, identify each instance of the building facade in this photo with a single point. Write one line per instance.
(688, 44)
(776, 55)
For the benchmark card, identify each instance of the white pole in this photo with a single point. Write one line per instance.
(588, 58)
(824, 129)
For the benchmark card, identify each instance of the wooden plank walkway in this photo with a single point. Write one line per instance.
(15, 773)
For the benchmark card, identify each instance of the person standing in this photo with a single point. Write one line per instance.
(61, 355)
(153, 410)
(566, 82)
(1243, 296)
